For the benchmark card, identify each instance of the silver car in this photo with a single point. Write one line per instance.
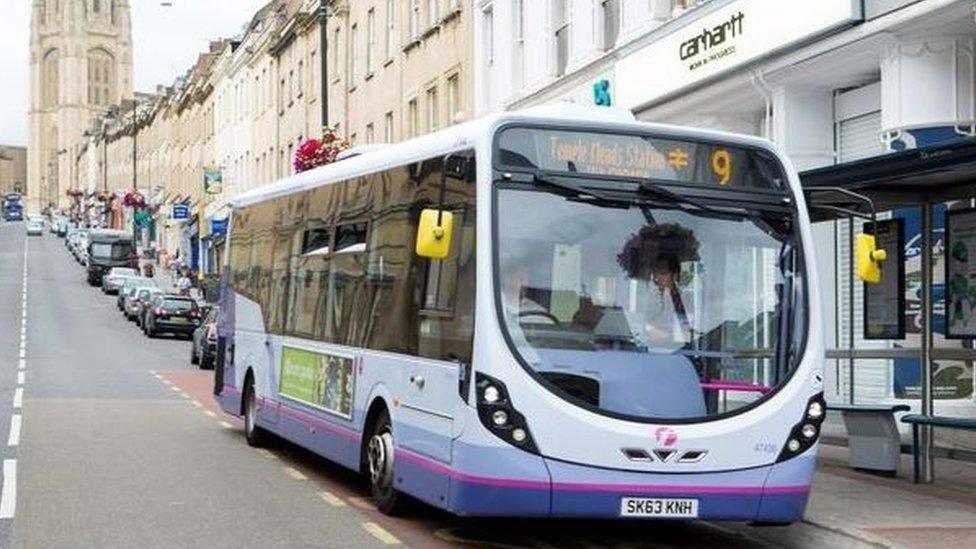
(116, 277)
(35, 227)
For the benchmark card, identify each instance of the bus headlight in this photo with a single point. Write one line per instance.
(805, 433)
(498, 414)
(499, 418)
(815, 410)
(490, 394)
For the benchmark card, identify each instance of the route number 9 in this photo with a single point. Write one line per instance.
(722, 166)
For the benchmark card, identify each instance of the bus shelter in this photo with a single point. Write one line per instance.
(919, 326)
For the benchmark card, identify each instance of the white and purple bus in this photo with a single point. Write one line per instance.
(550, 313)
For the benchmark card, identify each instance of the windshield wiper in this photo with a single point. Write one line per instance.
(574, 189)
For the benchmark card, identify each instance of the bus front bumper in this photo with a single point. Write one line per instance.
(493, 481)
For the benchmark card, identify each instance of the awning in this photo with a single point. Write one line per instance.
(936, 173)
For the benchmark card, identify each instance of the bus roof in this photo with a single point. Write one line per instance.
(466, 136)
(108, 235)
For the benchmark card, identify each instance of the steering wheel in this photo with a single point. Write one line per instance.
(545, 314)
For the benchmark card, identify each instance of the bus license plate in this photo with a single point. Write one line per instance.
(659, 507)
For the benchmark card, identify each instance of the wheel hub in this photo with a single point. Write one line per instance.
(380, 456)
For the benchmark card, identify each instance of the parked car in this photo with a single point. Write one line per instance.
(204, 348)
(112, 281)
(129, 286)
(135, 304)
(35, 227)
(171, 314)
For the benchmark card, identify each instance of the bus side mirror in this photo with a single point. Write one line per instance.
(868, 258)
(434, 233)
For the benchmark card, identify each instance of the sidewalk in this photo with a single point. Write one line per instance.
(894, 512)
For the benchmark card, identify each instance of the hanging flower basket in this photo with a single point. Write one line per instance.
(101, 196)
(135, 200)
(74, 193)
(313, 153)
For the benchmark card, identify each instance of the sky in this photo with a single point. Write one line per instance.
(166, 40)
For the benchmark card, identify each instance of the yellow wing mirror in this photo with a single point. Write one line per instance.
(868, 258)
(434, 233)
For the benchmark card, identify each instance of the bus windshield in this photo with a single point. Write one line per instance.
(649, 307)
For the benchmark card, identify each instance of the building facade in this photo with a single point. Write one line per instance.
(81, 63)
(399, 69)
(13, 169)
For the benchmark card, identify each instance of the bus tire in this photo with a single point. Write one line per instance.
(255, 435)
(379, 459)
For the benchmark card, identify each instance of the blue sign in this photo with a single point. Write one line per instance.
(218, 226)
(181, 211)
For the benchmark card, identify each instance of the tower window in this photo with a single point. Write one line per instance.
(100, 78)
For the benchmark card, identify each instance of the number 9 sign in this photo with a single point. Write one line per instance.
(722, 166)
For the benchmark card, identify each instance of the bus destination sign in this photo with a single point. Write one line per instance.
(638, 156)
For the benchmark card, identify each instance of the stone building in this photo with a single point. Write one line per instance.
(81, 63)
(399, 69)
(13, 169)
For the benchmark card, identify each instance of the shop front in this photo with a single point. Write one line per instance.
(874, 96)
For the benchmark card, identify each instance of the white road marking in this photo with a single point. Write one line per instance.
(23, 353)
(332, 499)
(22, 365)
(20, 378)
(14, 439)
(153, 372)
(209, 413)
(184, 395)
(19, 397)
(196, 403)
(226, 425)
(8, 498)
(267, 453)
(174, 388)
(295, 473)
(380, 533)
(362, 503)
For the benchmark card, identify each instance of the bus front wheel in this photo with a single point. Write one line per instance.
(379, 456)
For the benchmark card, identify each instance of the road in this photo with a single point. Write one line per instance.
(122, 445)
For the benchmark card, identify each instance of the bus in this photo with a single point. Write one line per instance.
(558, 312)
(13, 207)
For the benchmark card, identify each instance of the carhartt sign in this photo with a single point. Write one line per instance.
(724, 39)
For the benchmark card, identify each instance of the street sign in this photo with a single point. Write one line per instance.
(181, 211)
(213, 182)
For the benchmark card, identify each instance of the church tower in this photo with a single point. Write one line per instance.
(81, 63)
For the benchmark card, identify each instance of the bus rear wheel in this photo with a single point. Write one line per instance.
(379, 457)
(255, 435)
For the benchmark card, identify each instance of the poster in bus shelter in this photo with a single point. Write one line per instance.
(960, 274)
(951, 379)
(321, 380)
(884, 303)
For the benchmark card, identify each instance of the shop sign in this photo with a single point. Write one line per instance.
(725, 39)
(181, 211)
(213, 182)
